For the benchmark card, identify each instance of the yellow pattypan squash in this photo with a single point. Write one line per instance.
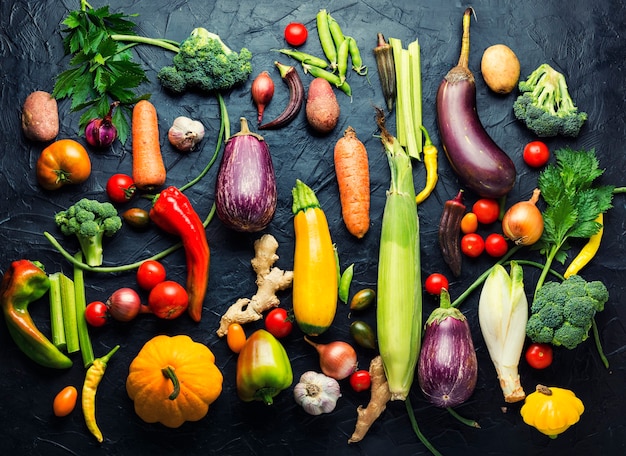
(551, 410)
(173, 380)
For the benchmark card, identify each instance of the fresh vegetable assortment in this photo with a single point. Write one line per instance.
(355, 312)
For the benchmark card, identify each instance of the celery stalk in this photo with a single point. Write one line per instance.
(68, 303)
(416, 93)
(56, 312)
(84, 341)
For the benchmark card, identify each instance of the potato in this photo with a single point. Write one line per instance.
(500, 68)
(40, 117)
(322, 108)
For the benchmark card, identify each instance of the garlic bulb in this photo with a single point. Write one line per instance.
(317, 393)
(185, 133)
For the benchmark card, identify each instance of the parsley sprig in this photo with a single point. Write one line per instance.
(102, 69)
(572, 203)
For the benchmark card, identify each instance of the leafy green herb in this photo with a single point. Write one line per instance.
(572, 203)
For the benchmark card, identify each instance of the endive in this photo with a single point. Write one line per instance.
(399, 306)
(502, 314)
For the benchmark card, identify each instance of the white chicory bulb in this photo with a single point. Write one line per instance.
(503, 313)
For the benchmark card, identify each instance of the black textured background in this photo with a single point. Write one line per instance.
(583, 40)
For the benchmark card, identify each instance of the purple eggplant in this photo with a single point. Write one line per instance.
(479, 163)
(447, 367)
(245, 196)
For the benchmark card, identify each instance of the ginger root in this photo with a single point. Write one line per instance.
(269, 280)
(377, 404)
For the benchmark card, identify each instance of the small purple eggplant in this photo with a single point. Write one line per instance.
(245, 196)
(447, 367)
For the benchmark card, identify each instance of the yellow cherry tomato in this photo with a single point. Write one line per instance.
(65, 401)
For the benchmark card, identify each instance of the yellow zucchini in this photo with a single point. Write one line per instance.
(315, 284)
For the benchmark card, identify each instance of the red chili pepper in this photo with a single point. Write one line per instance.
(172, 212)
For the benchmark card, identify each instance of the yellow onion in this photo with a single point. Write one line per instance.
(523, 223)
(338, 359)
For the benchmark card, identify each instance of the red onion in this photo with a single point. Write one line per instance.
(124, 304)
(102, 132)
(337, 359)
(262, 92)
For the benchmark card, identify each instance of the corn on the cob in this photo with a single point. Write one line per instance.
(399, 307)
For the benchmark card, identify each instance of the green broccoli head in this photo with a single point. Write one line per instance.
(206, 64)
(89, 220)
(562, 312)
(545, 105)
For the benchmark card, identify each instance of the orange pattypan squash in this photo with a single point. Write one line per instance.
(173, 380)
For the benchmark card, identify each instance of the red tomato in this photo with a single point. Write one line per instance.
(63, 162)
(496, 245)
(536, 154)
(150, 274)
(360, 380)
(97, 313)
(168, 300)
(278, 323)
(487, 210)
(120, 188)
(539, 356)
(435, 282)
(296, 34)
(472, 245)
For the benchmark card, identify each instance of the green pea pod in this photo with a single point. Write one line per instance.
(263, 368)
(344, 283)
(326, 39)
(330, 77)
(335, 32)
(342, 60)
(303, 57)
(23, 283)
(355, 56)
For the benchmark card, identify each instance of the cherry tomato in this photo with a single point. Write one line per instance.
(120, 188)
(296, 34)
(360, 380)
(150, 274)
(278, 323)
(536, 154)
(63, 162)
(487, 210)
(472, 245)
(435, 282)
(168, 300)
(469, 223)
(539, 356)
(235, 337)
(137, 218)
(65, 401)
(97, 313)
(496, 245)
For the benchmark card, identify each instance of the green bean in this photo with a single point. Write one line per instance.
(355, 55)
(326, 39)
(303, 57)
(342, 60)
(335, 32)
(330, 77)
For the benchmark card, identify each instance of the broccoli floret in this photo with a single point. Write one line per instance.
(562, 312)
(89, 220)
(545, 105)
(206, 64)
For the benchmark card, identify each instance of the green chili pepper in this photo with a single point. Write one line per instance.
(23, 283)
(344, 283)
(355, 56)
(326, 39)
(330, 77)
(90, 387)
(263, 368)
(303, 57)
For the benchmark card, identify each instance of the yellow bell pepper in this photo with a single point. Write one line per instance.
(552, 410)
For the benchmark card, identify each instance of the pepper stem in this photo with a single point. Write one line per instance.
(169, 373)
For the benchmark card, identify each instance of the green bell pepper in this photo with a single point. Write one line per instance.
(23, 283)
(263, 368)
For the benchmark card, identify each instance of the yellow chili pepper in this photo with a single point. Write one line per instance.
(90, 387)
(587, 252)
(430, 163)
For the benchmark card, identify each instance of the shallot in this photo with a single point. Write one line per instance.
(125, 304)
(262, 92)
(101, 132)
(337, 359)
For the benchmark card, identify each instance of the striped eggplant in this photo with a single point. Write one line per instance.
(447, 367)
(245, 196)
(480, 164)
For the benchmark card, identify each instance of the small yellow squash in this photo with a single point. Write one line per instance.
(552, 410)
(173, 380)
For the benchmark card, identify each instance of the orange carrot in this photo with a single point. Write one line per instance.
(352, 169)
(148, 168)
